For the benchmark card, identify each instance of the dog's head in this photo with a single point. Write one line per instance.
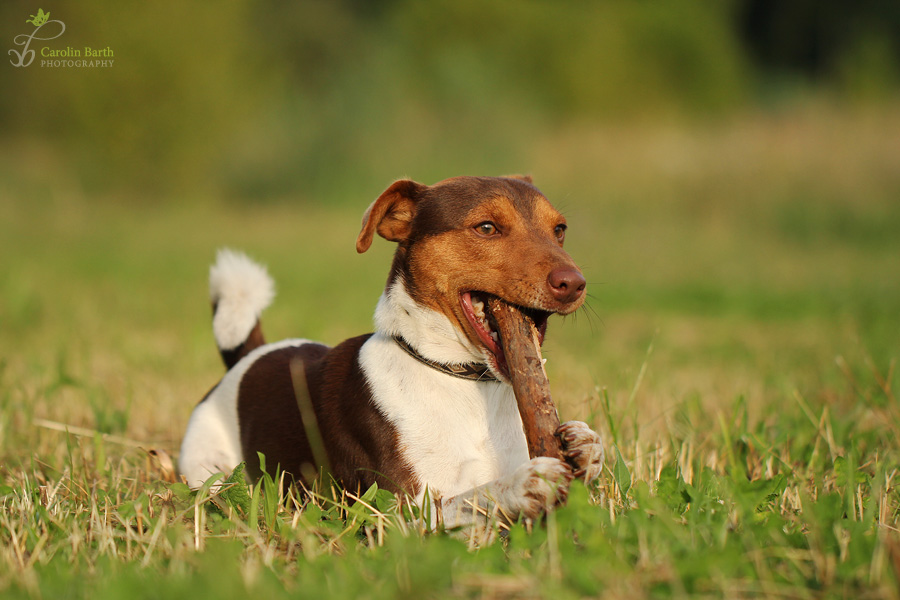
(465, 238)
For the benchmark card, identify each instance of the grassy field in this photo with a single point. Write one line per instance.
(739, 356)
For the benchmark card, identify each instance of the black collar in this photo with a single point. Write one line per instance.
(473, 371)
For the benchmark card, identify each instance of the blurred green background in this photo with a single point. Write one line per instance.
(323, 100)
(730, 171)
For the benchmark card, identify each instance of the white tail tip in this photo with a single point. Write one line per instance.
(240, 289)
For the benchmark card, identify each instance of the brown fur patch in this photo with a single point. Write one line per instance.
(360, 443)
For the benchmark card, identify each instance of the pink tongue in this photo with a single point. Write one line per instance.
(483, 334)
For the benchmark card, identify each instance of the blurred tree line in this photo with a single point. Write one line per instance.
(270, 98)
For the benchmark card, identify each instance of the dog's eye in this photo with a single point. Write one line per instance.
(560, 232)
(487, 229)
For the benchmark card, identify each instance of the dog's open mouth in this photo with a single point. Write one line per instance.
(474, 305)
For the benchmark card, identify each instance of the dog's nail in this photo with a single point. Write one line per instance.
(574, 454)
(580, 473)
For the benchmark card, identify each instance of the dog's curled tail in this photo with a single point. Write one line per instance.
(239, 290)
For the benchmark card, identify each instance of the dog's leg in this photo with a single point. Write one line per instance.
(583, 448)
(529, 491)
(210, 443)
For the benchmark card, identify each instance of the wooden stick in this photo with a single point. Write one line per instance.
(520, 341)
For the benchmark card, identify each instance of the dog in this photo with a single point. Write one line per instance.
(422, 406)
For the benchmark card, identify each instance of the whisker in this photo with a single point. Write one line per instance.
(590, 312)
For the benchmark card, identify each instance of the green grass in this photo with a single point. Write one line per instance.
(739, 358)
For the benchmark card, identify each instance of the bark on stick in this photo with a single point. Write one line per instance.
(520, 341)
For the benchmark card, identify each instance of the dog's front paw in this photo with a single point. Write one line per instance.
(583, 448)
(537, 486)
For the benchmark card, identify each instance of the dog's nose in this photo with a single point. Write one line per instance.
(566, 285)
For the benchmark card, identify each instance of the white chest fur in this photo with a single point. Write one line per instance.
(456, 434)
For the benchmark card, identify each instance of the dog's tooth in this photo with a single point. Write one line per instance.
(495, 337)
(478, 308)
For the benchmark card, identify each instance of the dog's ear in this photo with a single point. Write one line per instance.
(525, 178)
(391, 214)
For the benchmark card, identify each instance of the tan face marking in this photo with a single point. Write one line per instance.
(511, 258)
